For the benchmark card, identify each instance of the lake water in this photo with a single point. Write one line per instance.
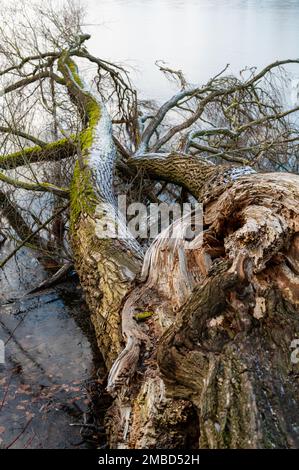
(198, 36)
(50, 383)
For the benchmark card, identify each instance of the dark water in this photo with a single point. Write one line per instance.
(51, 379)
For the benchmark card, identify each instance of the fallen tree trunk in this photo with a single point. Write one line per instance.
(227, 350)
(211, 364)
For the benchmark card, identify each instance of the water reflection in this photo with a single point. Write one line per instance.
(51, 378)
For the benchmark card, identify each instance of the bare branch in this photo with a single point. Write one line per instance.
(31, 236)
(11, 130)
(40, 187)
(54, 151)
(28, 80)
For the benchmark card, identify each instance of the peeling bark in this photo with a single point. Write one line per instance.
(228, 350)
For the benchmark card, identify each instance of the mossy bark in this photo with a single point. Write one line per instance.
(210, 366)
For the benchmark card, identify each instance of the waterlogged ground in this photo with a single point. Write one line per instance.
(50, 383)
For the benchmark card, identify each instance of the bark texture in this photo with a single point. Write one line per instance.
(225, 314)
(106, 267)
(210, 364)
(228, 350)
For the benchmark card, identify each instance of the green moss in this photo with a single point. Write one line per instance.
(74, 69)
(58, 143)
(82, 195)
(83, 198)
(93, 111)
(142, 316)
(20, 153)
(37, 153)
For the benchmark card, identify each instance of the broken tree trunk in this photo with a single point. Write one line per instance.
(211, 364)
(229, 348)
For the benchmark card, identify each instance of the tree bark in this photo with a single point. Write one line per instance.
(211, 364)
(228, 350)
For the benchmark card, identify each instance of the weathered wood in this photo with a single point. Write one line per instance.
(210, 366)
(227, 349)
